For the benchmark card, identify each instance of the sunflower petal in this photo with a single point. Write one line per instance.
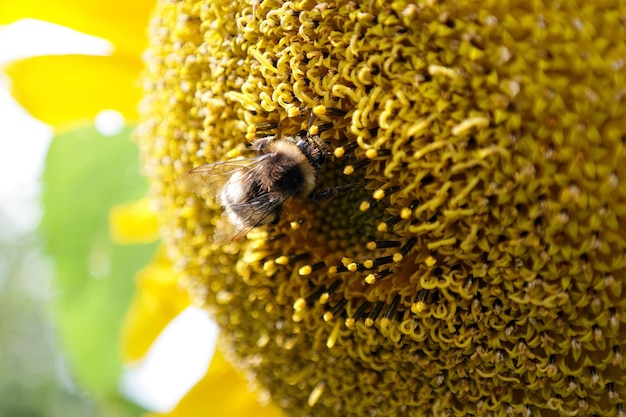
(121, 22)
(221, 392)
(157, 301)
(133, 223)
(60, 90)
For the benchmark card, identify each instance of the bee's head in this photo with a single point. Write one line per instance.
(314, 149)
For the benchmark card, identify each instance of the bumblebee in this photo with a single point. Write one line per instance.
(252, 191)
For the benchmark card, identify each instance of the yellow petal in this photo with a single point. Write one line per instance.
(221, 392)
(121, 22)
(133, 223)
(60, 90)
(158, 300)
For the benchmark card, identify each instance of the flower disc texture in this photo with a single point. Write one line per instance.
(476, 267)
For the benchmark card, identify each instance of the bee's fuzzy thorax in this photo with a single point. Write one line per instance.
(288, 169)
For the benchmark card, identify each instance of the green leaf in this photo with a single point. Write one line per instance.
(86, 174)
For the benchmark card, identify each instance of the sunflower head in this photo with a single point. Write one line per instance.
(474, 265)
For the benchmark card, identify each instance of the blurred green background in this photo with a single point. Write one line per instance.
(64, 287)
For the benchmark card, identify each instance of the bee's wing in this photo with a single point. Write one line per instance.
(259, 209)
(206, 180)
(226, 231)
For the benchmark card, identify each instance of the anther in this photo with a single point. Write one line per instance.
(299, 257)
(419, 304)
(383, 260)
(617, 356)
(305, 270)
(331, 290)
(328, 316)
(324, 127)
(357, 314)
(393, 307)
(323, 293)
(293, 112)
(340, 306)
(264, 127)
(334, 286)
(595, 377)
(613, 320)
(404, 250)
(369, 322)
(571, 383)
(389, 223)
(328, 111)
(299, 304)
(286, 260)
(365, 205)
(378, 194)
(371, 153)
(356, 166)
(313, 130)
(276, 237)
(319, 110)
(350, 146)
(315, 295)
(382, 244)
(378, 276)
(309, 269)
(406, 212)
(612, 394)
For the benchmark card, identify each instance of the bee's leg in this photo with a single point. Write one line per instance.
(277, 216)
(332, 192)
(311, 118)
(258, 145)
(307, 131)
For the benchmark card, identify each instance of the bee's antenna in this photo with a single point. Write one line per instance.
(311, 118)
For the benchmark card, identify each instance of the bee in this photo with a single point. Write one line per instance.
(252, 191)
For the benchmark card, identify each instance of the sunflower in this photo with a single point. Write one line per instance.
(476, 266)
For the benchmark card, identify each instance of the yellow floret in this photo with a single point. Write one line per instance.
(476, 268)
